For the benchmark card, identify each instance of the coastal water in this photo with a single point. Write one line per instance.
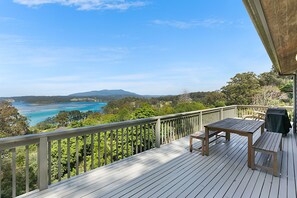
(40, 112)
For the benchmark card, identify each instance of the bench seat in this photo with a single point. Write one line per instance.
(201, 136)
(270, 143)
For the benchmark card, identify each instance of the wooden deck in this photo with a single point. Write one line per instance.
(172, 171)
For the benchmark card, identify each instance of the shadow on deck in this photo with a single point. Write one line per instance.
(172, 171)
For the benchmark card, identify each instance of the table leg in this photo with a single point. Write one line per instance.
(262, 129)
(206, 141)
(227, 136)
(250, 155)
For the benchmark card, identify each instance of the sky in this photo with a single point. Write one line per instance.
(150, 47)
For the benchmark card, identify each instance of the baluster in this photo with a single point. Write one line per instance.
(68, 157)
(27, 168)
(154, 143)
(170, 128)
(105, 155)
(99, 142)
(13, 169)
(49, 151)
(92, 151)
(149, 136)
(200, 121)
(127, 146)
(77, 157)
(145, 138)
(122, 143)
(117, 144)
(162, 133)
(136, 139)
(85, 153)
(176, 127)
(189, 124)
(111, 149)
(165, 132)
(140, 148)
(132, 141)
(59, 160)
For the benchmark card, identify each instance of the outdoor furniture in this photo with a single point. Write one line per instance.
(270, 143)
(277, 120)
(257, 115)
(239, 126)
(201, 136)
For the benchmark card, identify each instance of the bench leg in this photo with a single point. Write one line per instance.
(275, 171)
(191, 142)
(202, 147)
(253, 158)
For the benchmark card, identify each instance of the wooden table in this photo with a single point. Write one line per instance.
(239, 126)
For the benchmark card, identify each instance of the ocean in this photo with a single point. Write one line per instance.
(39, 112)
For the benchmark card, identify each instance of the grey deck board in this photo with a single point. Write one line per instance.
(172, 171)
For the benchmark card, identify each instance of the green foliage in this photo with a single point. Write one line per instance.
(267, 89)
(62, 119)
(6, 182)
(287, 87)
(215, 98)
(145, 111)
(12, 123)
(241, 89)
(185, 107)
(270, 79)
(166, 109)
(123, 114)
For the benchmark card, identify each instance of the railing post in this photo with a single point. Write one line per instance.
(222, 113)
(158, 126)
(200, 121)
(236, 111)
(42, 164)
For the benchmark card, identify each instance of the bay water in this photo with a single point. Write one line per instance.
(39, 112)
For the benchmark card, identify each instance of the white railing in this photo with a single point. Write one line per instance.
(244, 110)
(36, 161)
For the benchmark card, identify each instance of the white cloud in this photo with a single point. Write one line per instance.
(191, 24)
(87, 4)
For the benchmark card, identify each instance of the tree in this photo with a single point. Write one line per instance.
(241, 89)
(184, 98)
(12, 123)
(269, 95)
(189, 106)
(144, 111)
(215, 98)
(62, 119)
(270, 79)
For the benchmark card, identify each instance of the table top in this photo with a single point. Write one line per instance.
(236, 125)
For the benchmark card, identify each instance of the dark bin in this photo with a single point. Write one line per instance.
(277, 120)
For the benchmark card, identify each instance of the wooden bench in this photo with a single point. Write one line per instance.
(270, 143)
(201, 136)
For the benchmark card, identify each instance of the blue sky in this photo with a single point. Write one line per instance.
(59, 47)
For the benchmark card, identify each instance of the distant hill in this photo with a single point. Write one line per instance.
(105, 92)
